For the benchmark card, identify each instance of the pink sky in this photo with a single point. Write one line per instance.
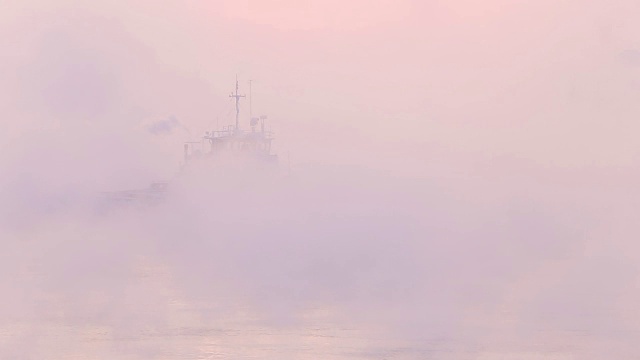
(495, 77)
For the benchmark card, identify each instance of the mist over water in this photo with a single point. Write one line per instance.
(459, 188)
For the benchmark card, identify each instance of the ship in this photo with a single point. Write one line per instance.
(233, 141)
(216, 148)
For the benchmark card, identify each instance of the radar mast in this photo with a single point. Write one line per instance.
(237, 96)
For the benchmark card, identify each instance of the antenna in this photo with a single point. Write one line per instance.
(237, 96)
(250, 102)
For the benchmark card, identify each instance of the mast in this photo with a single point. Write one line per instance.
(237, 96)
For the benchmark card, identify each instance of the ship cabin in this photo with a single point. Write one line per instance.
(229, 141)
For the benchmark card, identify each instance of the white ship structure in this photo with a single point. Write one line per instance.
(216, 148)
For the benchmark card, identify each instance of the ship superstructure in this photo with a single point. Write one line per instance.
(230, 143)
(234, 141)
